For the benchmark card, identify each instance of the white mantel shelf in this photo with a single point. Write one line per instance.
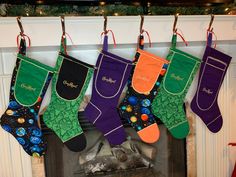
(46, 31)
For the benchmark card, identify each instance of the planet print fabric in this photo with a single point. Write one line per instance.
(143, 86)
(30, 80)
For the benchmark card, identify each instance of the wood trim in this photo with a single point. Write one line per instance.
(191, 143)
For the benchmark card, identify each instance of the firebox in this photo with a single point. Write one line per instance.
(133, 158)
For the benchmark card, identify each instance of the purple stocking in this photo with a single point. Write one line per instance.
(212, 71)
(109, 80)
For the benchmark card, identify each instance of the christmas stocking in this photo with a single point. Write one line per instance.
(68, 88)
(212, 71)
(168, 104)
(109, 80)
(30, 80)
(136, 106)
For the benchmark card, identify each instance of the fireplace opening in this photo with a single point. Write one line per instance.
(133, 158)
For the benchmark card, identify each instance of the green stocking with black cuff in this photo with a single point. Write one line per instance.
(69, 85)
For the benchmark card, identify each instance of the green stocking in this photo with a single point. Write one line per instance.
(168, 104)
(68, 89)
(30, 80)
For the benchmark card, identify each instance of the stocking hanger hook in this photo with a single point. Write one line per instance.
(175, 23)
(105, 25)
(210, 24)
(141, 24)
(20, 25)
(63, 25)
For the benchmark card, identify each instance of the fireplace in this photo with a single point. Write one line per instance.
(167, 157)
(207, 154)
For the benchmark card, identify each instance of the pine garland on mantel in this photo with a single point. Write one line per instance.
(110, 9)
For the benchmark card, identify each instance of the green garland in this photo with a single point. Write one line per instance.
(75, 10)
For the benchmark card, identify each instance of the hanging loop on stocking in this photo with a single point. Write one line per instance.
(105, 32)
(209, 38)
(180, 34)
(113, 36)
(140, 43)
(22, 36)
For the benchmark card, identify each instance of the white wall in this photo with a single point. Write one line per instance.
(214, 157)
